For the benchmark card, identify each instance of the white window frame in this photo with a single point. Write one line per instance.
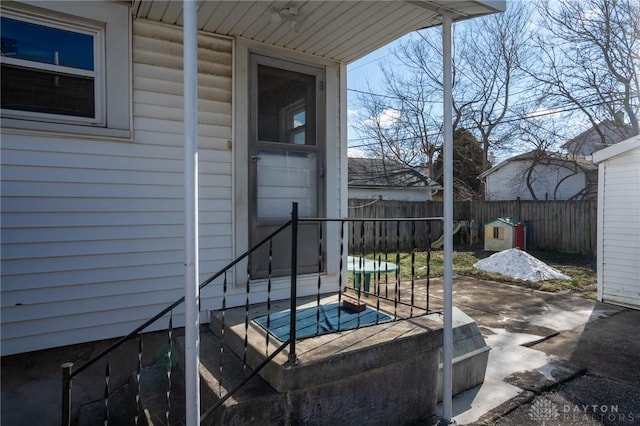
(97, 74)
(287, 122)
(110, 24)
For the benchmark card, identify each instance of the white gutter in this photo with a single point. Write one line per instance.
(447, 344)
(191, 273)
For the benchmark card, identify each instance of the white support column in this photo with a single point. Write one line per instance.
(447, 345)
(191, 273)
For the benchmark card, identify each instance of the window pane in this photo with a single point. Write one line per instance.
(48, 45)
(298, 138)
(286, 101)
(284, 177)
(298, 119)
(47, 92)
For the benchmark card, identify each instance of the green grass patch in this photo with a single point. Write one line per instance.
(580, 268)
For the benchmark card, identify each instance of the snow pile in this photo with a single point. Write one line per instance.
(519, 264)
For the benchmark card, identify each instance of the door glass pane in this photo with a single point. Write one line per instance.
(297, 133)
(286, 106)
(285, 177)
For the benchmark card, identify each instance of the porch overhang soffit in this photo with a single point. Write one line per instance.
(343, 31)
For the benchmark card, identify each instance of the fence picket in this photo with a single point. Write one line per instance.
(566, 226)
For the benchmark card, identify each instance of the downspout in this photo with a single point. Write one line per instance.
(447, 344)
(191, 273)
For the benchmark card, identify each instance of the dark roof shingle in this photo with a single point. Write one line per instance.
(385, 173)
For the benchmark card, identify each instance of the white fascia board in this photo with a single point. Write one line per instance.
(496, 5)
(617, 149)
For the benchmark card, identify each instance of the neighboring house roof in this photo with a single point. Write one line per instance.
(506, 220)
(554, 158)
(617, 149)
(590, 141)
(376, 172)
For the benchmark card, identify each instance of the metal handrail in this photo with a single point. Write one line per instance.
(176, 303)
(243, 382)
(69, 375)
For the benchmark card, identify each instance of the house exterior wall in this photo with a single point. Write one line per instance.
(92, 235)
(394, 194)
(509, 182)
(93, 228)
(619, 223)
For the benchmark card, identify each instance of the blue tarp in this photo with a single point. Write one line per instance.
(307, 323)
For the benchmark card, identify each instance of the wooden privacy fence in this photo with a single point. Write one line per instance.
(564, 226)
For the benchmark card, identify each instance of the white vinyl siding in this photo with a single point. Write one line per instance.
(620, 262)
(92, 230)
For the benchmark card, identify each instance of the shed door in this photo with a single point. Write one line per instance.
(286, 161)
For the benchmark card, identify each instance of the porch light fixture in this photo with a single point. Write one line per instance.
(288, 14)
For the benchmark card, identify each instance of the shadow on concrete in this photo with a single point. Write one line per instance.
(32, 382)
(607, 346)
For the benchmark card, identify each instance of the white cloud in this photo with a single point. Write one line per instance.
(592, 15)
(542, 112)
(385, 119)
(356, 153)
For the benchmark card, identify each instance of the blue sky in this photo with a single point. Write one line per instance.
(365, 75)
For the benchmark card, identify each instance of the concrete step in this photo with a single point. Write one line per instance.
(378, 375)
(255, 403)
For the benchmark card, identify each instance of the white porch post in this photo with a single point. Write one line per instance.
(447, 345)
(191, 273)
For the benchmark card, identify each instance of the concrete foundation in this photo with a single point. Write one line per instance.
(383, 374)
(470, 353)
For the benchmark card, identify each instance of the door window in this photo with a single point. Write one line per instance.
(285, 160)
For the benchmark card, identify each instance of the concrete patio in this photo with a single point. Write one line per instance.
(558, 351)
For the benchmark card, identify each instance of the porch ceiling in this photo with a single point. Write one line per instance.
(340, 30)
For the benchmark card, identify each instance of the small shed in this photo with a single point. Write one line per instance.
(504, 233)
(618, 238)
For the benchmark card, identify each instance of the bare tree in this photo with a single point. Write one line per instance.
(588, 60)
(406, 120)
(402, 122)
(491, 60)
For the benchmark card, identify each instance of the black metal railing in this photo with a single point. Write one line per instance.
(69, 373)
(374, 271)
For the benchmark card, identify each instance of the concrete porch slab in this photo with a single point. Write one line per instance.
(379, 374)
(337, 355)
